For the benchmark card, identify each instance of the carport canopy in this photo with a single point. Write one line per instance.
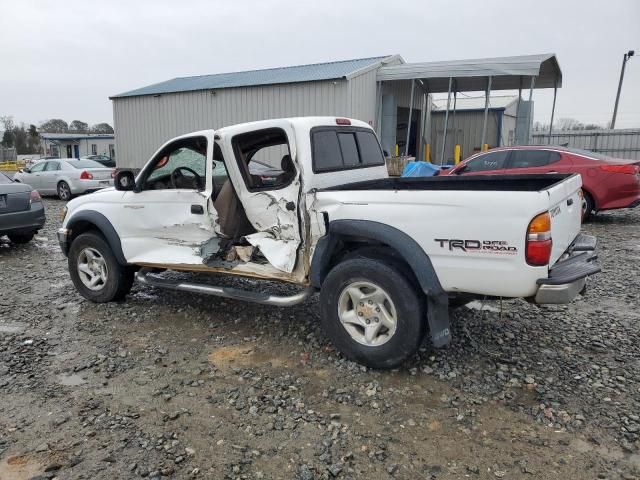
(500, 73)
(507, 73)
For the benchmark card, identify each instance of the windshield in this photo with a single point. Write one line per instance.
(85, 164)
(4, 178)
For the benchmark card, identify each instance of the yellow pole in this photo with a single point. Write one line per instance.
(427, 152)
(396, 151)
(456, 154)
(485, 147)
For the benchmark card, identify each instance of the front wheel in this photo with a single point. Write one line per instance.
(94, 270)
(372, 313)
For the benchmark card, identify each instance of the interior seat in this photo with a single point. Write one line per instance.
(232, 219)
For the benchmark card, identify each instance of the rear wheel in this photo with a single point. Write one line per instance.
(64, 191)
(94, 270)
(372, 313)
(21, 237)
(588, 206)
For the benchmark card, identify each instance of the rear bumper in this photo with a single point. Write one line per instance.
(83, 186)
(568, 277)
(23, 222)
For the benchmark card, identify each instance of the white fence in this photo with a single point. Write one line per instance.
(616, 143)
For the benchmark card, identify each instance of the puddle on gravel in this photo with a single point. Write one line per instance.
(72, 380)
(245, 356)
(19, 467)
(11, 327)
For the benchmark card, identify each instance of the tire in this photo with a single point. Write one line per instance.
(64, 191)
(93, 252)
(589, 206)
(391, 347)
(21, 237)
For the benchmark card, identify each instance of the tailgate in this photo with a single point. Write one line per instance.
(565, 208)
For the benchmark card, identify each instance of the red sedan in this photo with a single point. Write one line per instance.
(607, 182)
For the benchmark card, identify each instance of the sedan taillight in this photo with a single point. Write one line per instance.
(86, 176)
(627, 169)
(34, 197)
(113, 174)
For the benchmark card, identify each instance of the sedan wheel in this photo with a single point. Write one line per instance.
(92, 269)
(64, 192)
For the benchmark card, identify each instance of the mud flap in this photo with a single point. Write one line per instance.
(438, 317)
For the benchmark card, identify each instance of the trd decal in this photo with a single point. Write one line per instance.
(471, 246)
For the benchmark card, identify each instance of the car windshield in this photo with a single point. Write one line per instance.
(588, 153)
(85, 164)
(4, 178)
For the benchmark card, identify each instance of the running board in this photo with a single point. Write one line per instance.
(145, 277)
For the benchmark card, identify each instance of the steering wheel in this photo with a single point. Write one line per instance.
(177, 174)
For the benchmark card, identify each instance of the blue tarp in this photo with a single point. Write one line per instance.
(420, 169)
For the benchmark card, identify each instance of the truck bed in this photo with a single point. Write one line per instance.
(496, 183)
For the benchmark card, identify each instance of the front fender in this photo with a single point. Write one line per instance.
(91, 219)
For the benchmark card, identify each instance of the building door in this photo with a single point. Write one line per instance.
(69, 154)
(76, 151)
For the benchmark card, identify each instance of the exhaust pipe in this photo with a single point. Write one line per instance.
(145, 277)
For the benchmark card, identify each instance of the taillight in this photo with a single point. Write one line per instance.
(113, 174)
(539, 243)
(86, 176)
(627, 169)
(343, 121)
(34, 197)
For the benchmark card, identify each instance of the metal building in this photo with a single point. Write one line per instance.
(465, 125)
(386, 92)
(147, 117)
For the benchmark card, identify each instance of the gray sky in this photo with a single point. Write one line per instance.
(64, 59)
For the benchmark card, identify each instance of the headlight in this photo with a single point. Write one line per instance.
(63, 214)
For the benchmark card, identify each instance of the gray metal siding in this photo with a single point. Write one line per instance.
(144, 123)
(616, 143)
(362, 97)
(469, 133)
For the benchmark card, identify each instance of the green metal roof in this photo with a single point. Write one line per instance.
(270, 76)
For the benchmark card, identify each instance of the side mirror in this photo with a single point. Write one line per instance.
(125, 180)
(461, 169)
(25, 170)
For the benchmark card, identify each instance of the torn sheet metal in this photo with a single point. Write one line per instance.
(280, 253)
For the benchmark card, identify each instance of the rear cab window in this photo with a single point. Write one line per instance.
(344, 148)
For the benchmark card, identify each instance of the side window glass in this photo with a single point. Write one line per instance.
(488, 161)
(533, 158)
(264, 159)
(181, 165)
(52, 166)
(38, 167)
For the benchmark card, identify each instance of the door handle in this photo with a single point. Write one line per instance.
(570, 201)
(197, 209)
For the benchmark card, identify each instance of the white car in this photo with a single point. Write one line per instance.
(387, 255)
(66, 177)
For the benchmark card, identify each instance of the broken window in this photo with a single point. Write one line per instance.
(180, 165)
(264, 159)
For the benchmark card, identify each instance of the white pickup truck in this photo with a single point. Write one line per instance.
(308, 201)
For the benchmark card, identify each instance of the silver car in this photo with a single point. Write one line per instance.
(66, 177)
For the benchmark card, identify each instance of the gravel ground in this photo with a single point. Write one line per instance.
(174, 385)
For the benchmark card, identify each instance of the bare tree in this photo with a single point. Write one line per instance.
(54, 125)
(78, 126)
(102, 128)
